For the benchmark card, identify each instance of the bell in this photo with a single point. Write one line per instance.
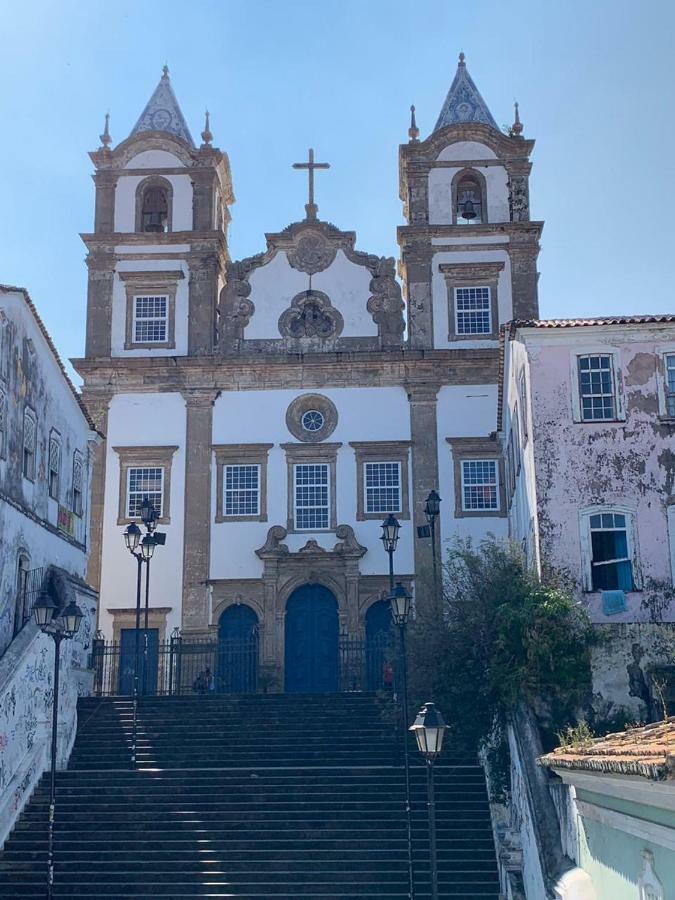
(468, 210)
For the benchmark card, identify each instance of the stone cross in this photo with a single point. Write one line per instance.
(311, 208)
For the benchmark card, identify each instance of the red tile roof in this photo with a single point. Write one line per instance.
(663, 318)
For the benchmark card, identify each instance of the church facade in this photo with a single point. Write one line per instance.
(276, 409)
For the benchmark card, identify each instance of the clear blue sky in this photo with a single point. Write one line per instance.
(595, 80)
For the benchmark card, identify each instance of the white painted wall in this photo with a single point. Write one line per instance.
(125, 202)
(463, 411)
(466, 150)
(440, 194)
(273, 287)
(439, 293)
(119, 306)
(154, 159)
(365, 414)
(143, 420)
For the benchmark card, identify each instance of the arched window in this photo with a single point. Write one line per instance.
(469, 201)
(155, 210)
(21, 613)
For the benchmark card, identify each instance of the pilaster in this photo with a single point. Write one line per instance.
(417, 263)
(202, 301)
(203, 197)
(524, 280)
(197, 510)
(97, 405)
(424, 446)
(104, 214)
(101, 267)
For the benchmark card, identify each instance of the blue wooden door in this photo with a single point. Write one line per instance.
(379, 647)
(311, 653)
(147, 661)
(237, 670)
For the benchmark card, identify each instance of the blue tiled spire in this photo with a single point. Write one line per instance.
(162, 112)
(464, 102)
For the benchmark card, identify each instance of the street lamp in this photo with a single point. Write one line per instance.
(432, 508)
(390, 531)
(61, 627)
(429, 729)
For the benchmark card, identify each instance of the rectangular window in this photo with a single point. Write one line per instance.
(151, 316)
(54, 467)
(242, 490)
(382, 485)
(311, 490)
(670, 384)
(611, 566)
(480, 484)
(144, 482)
(596, 388)
(472, 310)
(77, 483)
(29, 445)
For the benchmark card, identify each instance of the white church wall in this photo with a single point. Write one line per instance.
(466, 150)
(463, 411)
(143, 420)
(119, 307)
(125, 202)
(440, 299)
(154, 159)
(364, 414)
(273, 287)
(440, 193)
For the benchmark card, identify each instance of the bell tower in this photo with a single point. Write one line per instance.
(469, 248)
(158, 251)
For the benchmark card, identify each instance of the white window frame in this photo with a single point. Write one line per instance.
(241, 465)
(303, 464)
(662, 380)
(78, 508)
(160, 491)
(29, 416)
(146, 319)
(597, 350)
(54, 442)
(587, 547)
(493, 461)
(474, 287)
(399, 487)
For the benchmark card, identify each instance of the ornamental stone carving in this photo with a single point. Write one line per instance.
(386, 303)
(235, 307)
(312, 253)
(311, 315)
(519, 203)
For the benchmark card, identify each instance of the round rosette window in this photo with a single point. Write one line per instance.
(311, 418)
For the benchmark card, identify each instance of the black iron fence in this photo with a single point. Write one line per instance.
(184, 665)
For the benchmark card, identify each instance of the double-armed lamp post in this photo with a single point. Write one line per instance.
(60, 625)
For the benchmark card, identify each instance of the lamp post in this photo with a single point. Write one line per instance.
(390, 531)
(432, 508)
(429, 729)
(64, 626)
(141, 546)
(400, 601)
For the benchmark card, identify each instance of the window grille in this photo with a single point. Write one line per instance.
(596, 388)
(242, 490)
(311, 496)
(142, 482)
(670, 384)
(611, 565)
(29, 442)
(472, 310)
(382, 484)
(151, 319)
(54, 467)
(78, 470)
(480, 484)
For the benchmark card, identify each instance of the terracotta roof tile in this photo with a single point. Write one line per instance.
(663, 318)
(648, 751)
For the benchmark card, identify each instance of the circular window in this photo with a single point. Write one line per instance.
(313, 420)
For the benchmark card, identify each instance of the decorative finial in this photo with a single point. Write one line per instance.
(413, 131)
(106, 140)
(207, 137)
(461, 59)
(165, 71)
(517, 127)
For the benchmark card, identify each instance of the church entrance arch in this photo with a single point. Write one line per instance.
(311, 640)
(237, 669)
(379, 647)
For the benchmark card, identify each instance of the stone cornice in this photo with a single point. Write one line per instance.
(408, 369)
(108, 241)
(518, 232)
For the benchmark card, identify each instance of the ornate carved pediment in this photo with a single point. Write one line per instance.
(347, 545)
(311, 315)
(312, 253)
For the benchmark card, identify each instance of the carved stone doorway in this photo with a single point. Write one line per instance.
(311, 641)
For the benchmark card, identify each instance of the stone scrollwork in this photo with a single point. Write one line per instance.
(235, 307)
(312, 253)
(311, 315)
(386, 303)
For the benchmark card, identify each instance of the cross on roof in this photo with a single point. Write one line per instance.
(311, 208)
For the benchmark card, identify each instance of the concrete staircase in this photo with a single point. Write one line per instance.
(280, 796)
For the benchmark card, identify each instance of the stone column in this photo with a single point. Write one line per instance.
(104, 215)
(524, 279)
(424, 446)
(203, 198)
(271, 653)
(197, 513)
(97, 404)
(203, 289)
(417, 262)
(99, 304)
(352, 577)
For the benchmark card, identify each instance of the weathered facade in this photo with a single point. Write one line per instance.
(277, 408)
